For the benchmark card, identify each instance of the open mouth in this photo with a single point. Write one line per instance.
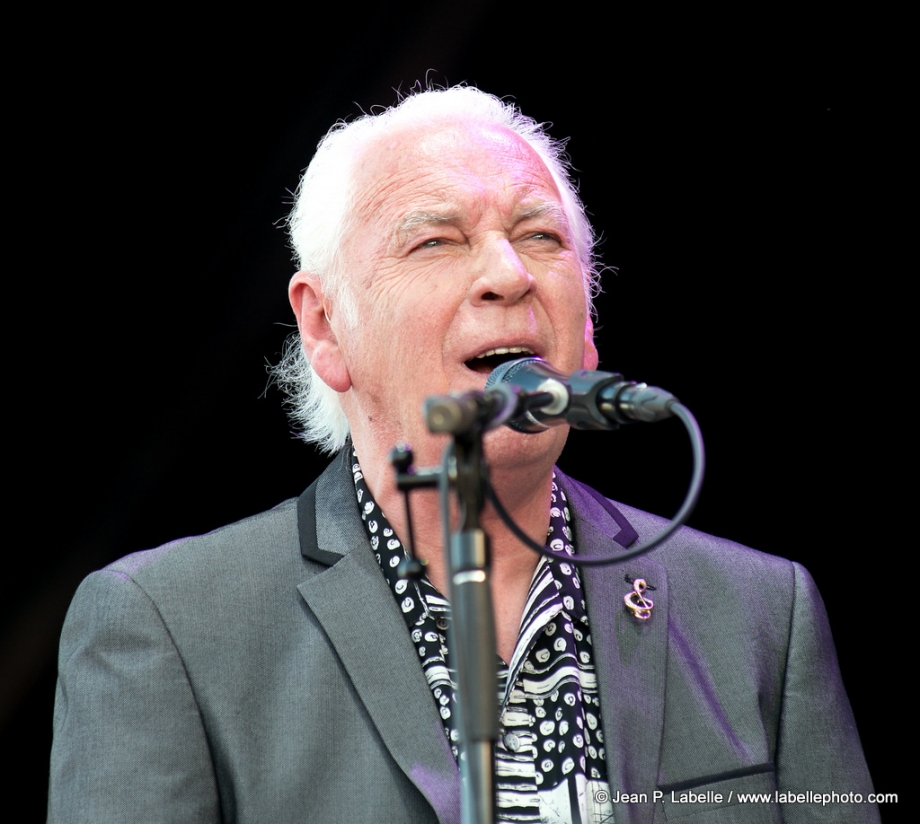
(486, 361)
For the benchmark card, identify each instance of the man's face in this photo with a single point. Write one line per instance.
(460, 247)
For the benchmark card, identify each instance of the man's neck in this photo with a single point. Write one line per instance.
(526, 496)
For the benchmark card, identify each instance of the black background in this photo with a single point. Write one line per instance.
(744, 173)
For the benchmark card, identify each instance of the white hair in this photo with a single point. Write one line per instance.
(323, 217)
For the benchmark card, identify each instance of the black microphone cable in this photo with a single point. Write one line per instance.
(693, 493)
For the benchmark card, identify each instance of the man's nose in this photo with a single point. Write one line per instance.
(503, 276)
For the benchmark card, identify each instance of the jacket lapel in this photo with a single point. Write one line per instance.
(353, 603)
(630, 655)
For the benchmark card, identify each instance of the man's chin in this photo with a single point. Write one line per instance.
(509, 451)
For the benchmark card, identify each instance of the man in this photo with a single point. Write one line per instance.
(278, 669)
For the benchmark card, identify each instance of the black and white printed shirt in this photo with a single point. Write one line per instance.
(549, 759)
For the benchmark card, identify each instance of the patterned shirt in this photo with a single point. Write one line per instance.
(549, 759)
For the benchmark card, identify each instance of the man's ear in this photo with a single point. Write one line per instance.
(312, 309)
(590, 358)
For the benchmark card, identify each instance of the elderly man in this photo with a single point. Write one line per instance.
(279, 669)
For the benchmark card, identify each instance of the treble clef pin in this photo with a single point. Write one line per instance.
(637, 603)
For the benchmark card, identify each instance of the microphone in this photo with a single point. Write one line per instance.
(586, 399)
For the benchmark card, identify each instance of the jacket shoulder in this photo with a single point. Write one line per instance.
(588, 509)
(691, 546)
(256, 543)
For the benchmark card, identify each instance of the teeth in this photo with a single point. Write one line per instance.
(506, 350)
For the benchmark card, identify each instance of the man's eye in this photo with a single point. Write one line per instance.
(544, 236)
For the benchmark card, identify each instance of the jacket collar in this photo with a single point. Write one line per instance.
(351, 600)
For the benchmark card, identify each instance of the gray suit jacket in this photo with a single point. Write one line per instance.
(263, 673)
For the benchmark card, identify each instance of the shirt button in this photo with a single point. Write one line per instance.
(441, 623)
(512, 742)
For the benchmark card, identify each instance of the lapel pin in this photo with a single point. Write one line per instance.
(637, 603)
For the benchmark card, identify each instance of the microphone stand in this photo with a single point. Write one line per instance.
(472, 633)
(472, 637)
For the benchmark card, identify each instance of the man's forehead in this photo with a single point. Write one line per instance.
(446, 138)
(408, 180)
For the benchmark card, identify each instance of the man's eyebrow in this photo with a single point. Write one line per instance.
(422, 218)
(554, 211)
(419, 218)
